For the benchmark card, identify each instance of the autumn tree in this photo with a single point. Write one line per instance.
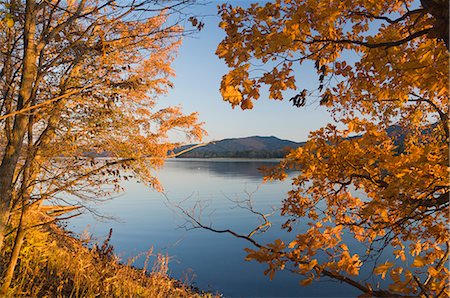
(80, 78)
(383, 178)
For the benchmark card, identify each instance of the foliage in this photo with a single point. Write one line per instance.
(77, 77)
(379, 64)
(55, 264)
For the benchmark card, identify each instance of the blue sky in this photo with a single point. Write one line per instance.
(198, 75)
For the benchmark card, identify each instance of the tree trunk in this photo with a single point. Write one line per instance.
(439, 9)
(9, 274)
(13, 148)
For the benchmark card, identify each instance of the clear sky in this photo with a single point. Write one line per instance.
(198, 75)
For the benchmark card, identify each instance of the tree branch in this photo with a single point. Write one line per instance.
(368, 44)
(47, 102)
(196, 223)
(387, 19)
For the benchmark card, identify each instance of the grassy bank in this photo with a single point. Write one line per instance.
(53, 263)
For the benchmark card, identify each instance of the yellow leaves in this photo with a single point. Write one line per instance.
(292, 244)
(351, 265)
(279, 41)
(344, 247)
(222, 51)
(9, 21)
(399, 285)
(261, 255)
(416, 248)
(383, 269)
(268, 255)
(270, 272)
(303, 267)
(312, 264)
(232, 94)
(425, 56)
(390, 99)
(384, 215)
(401, 174)
(125, 63)
(251, 254)
(395, 274)
(277, 245)
(400, 253)
(274, 27)
(223, 24)
(419, 262)
(307, 281)
(307, 266)
(432, 271)
(231, 91)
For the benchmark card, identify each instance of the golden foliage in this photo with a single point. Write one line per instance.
(82, 78)
(94, 73)
(382, 68)
(53, 263)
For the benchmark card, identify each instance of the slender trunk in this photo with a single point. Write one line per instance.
(7, 74)
(9, 274)
(30, 173)
(13, 148)
(31, 169)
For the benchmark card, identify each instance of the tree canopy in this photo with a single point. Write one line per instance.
(78, 77)
(380, 65)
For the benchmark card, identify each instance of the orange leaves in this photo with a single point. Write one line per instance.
(292, 244)
(383, 269)
(433, 272)
(307, 266)
(307, 281)
(347, 263)
(253, 255)
(231, 94)
(419, 262)
(383, 77)
(383, 180)
(230, 91)
(400, 253)
(107, 69)
(277, 245)
(395, 274)
(265, 254)
(270, 255)
(8, 20)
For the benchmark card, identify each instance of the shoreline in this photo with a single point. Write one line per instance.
(55, 262)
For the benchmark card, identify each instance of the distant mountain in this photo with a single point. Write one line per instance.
(250, 147)
(262, 147)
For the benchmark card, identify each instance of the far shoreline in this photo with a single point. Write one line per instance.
(237, 159)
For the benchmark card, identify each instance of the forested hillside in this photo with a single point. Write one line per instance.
(250, 147)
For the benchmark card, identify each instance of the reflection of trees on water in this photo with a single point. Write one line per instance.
(248, 169)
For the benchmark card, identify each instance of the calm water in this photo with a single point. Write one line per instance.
(215, 262)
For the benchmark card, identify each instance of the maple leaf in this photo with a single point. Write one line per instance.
(385, 80)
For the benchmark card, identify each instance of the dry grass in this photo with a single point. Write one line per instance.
(54, 264)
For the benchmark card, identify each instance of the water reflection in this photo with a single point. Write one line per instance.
(216, 260)
(224, 168)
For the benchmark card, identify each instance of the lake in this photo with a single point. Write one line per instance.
(210, 261)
